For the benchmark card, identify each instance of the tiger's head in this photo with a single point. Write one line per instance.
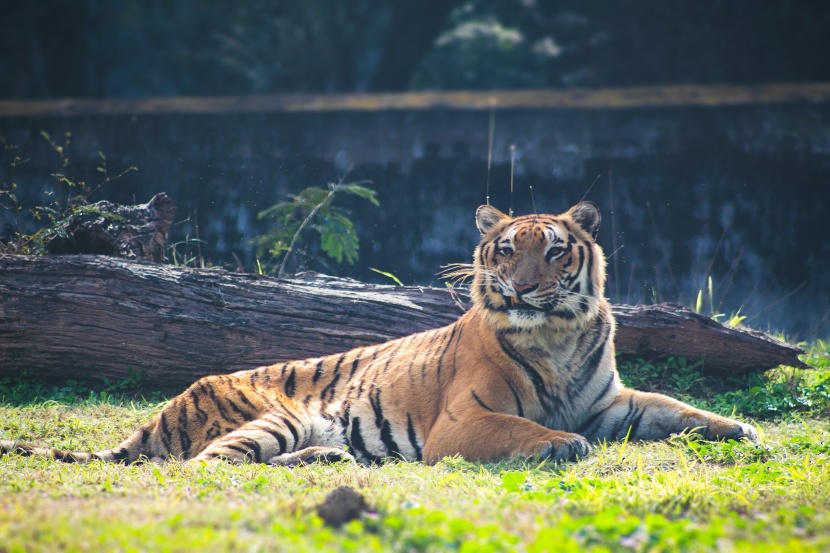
(538, 269)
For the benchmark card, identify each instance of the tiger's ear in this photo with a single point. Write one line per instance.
(487, 217)
(586, 215)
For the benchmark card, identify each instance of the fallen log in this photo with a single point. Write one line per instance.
(84, 316)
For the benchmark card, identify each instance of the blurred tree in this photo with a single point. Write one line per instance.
(58, 48)
(410, 34)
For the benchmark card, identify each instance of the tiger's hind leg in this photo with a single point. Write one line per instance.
(274, 436)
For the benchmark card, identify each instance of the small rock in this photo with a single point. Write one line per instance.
(341, 505)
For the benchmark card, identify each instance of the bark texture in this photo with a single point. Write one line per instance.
(84, 316)
(137, 232)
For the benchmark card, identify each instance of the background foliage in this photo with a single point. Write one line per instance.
(112, 48)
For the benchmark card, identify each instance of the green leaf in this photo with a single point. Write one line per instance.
(512, 481)
(357, 190)
(338, 237)
(388, 275)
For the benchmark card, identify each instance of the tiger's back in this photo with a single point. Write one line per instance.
(529, 370)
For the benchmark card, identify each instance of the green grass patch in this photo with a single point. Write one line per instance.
(680, 495)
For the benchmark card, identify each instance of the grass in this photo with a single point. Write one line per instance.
(680, 495)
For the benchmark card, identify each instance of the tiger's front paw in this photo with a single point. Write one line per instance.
(744, 430)
(729, 429)
(564, 447)
(314, 454)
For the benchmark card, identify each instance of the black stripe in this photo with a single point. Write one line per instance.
(481, 260)
(165, 432)
(635, 424)
(354, 365)
(416, 348)
(392, 356)
(339, 363)
(535, 378)
(219, 407)
(519, 409)
(186, 442)
(605, 388)
(589, 427)
(376, 407)
(201, 416)
(253, 445)
(145, 436)
(427, 357)
(581, 250)
(184, 439)
(589, 368)
(214, 431)
(277, 436)
(330, 388)
(413, 437)
(244, 414)
(245, 399)
(623, 421)
(356, 441)
(291, 383)
(392, 448)
(443, 353)
(590, 289)
(240, 449)
(566, 314)
(59, 455)
(318, 370)
(120, 455)
(478, 399)
(293, 429)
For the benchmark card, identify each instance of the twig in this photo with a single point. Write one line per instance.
(491, 132)
(663, 250)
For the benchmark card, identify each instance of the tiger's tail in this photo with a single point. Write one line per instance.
(134, 448)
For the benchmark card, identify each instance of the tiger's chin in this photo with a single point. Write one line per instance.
(524, 315)
(527, 318)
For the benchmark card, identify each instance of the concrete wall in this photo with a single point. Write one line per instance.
(738, 193)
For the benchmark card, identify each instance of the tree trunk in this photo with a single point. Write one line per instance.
(88, 317)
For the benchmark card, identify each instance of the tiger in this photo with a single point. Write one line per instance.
(527, 371)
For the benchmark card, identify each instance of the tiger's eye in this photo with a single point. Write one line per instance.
(506, 251)
(554, 253)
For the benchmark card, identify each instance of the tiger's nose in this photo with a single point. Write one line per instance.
(524, 288)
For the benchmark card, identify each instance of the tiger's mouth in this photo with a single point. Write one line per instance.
(515, 304)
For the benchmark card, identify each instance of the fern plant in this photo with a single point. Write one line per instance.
(312, 209)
